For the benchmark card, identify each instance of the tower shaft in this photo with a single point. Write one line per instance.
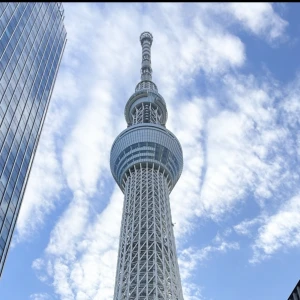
(147, 263)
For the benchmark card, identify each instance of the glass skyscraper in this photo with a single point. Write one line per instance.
(32, 41)
(146, 161)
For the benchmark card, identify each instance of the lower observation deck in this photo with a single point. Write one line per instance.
(146, 144)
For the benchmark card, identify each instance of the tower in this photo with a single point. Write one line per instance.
(32, 41)
(146, 161)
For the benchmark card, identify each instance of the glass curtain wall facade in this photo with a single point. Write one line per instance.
(146, 161)
(32, 41)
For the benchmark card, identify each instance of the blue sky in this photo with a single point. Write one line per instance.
(230, 76)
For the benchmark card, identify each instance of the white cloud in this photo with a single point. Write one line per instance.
(83, 261)
(86, 152)
(189, 48)
(192, 292)
(246, 226)
(74, 222)
(40, 296)
(280, 231)
(185, 195)
(225, 151)
(260, 18)
(190, 258)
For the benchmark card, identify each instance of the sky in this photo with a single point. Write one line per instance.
(230, 75)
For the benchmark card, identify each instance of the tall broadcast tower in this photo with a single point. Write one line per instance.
(146, 162)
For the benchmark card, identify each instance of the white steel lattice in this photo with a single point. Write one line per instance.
(146, 113)
(147, 262)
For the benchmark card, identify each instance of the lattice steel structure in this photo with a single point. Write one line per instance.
(146, 162)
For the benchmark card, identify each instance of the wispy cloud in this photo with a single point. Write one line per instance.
(279, 231)
(260, 19)
(41, 296)
(83, 262)
(190, 258)
(246, 226)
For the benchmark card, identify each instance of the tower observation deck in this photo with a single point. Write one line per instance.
(146, 161)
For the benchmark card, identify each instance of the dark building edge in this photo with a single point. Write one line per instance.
(295, 290)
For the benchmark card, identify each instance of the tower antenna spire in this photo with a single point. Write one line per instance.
(146, 39)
